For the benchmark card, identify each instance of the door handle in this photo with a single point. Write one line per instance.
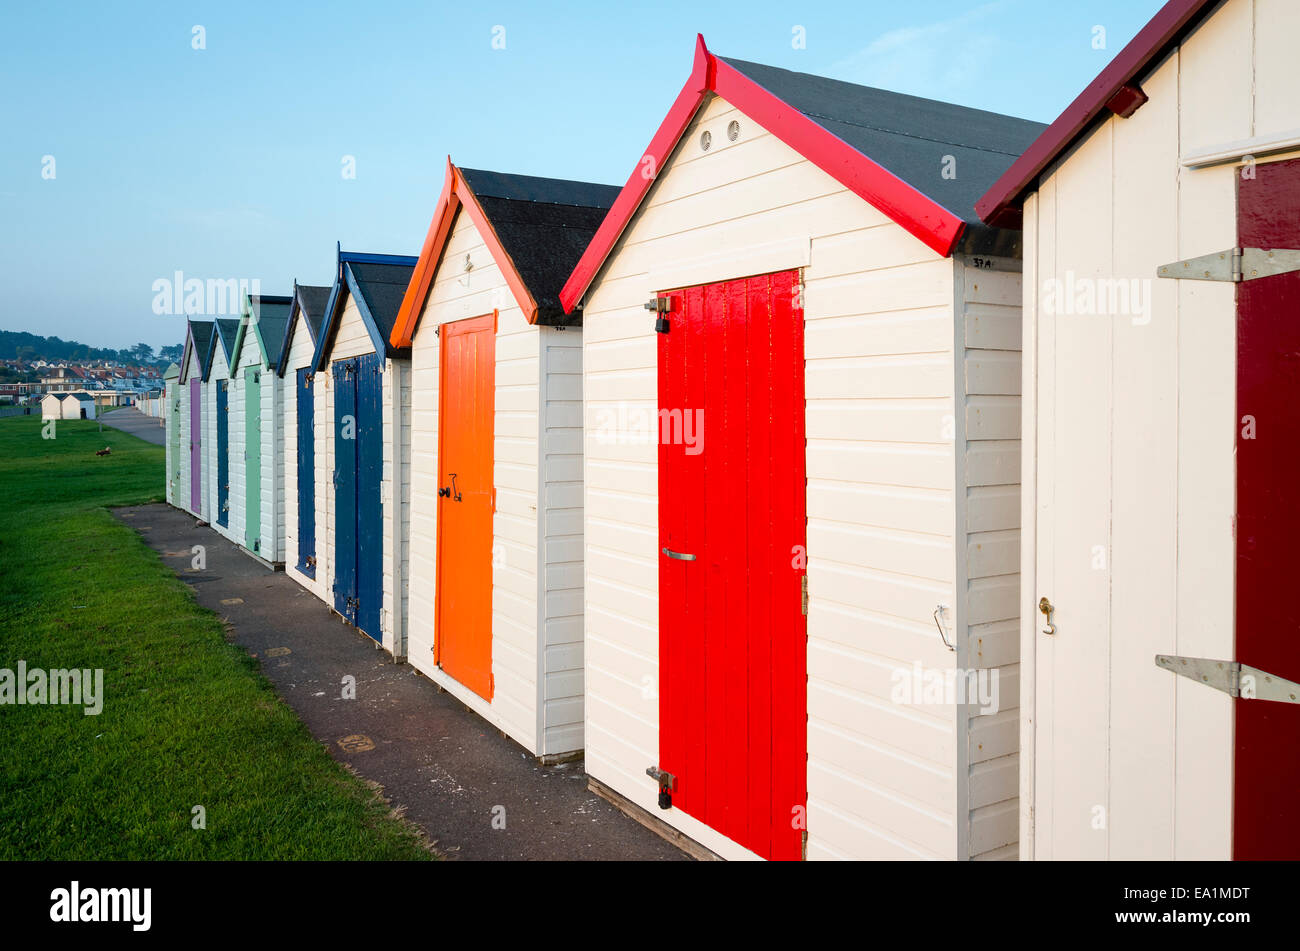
(444, 493)
(1046, 607)
(679, 555)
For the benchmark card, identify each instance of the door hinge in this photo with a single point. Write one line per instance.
(803, 588)
(661, 306)
(803, 845)
(1234, 265)
(1232, 677)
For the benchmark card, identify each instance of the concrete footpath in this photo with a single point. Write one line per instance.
(449, 771)
(131, 420)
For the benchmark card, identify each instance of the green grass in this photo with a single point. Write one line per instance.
(187, 717)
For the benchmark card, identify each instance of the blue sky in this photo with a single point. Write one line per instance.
(226, 162)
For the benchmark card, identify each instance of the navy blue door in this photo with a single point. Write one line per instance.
(306, 475)
(358, 469)
(370, 515)
(345, 488)
(223, 454)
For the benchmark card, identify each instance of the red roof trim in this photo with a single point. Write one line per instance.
(1000, 205)
(920, 215)
(456, 194)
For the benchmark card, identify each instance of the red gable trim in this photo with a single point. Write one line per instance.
(456, 194)
(937, 227)
(1000, 205)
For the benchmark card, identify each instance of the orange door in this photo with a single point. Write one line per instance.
(466, 501)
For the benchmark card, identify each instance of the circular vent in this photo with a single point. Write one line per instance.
(733, 130)
(706, 139)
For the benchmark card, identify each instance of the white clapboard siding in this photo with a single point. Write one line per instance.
(1129, 491)
(300, 355)
(191, 371)
(885, 779)
(170, 435)
(988, 299)
(537, 657)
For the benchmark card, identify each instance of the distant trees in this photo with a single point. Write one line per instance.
(20, 345)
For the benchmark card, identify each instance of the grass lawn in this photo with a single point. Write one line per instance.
(187, 717)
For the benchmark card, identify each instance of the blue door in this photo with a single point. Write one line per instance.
(345, 488)
(223, 454)
(306, 475)
(358, 468)
(370, 514)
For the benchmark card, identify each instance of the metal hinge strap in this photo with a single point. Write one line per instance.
(1232, 677)
(1233, 265)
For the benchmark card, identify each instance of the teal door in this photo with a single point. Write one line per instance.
(253, 458)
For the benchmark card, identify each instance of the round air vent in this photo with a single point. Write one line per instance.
(733, 130)
(706, 139)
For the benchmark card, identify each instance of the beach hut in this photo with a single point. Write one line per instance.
(363, 401)
(1161, 231)
(495, 519)
(224, 465)
(171, 412)
(52, 406)
(192, 470)
(255, 412)
(78, 406)
(800, 494)
(305, 482)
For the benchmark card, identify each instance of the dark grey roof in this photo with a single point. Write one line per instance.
(312, 300)
(382, 286)
(907, 135)
(544, 225)
(201, 331)
(228, 330)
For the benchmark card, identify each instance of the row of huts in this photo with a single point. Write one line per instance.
(807, 483)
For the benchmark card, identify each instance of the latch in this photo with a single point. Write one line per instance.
(660, 306)
(667, 783)
(1234, 265)
(1232, 677)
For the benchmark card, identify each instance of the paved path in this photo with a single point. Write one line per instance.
(131, 420)
(445, 766)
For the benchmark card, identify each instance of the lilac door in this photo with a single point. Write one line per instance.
(196, 449)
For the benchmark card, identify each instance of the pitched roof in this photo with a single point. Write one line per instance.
(308, 307)
(1114, 91)
(908, 135)
(377, 283)
(201, 335)
(536, 230)
(885, 147)
(172, 372)
(228, 332)
(269, 318)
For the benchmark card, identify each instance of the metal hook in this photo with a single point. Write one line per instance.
(943, 636)
(1045, 606)
(455, 492)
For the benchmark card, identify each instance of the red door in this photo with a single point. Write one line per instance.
(732, 634)
(1266, 822)
(466, 502)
